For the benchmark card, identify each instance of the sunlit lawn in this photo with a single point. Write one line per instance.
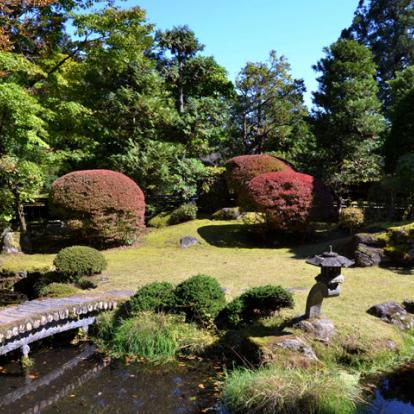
(219, 254)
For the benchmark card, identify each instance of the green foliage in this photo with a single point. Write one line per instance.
(86, 284)
(352, 218)
(255, 303)
(184, 213)
(201, 298)
(400, 139)
(20, 182)
(58, 290)
(78, 261)
(386, 28)
(269, 113)
(156, 296)
(157, 337)
(273, 389)
(160, 220)
(348, 119)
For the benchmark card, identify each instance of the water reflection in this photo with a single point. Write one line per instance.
(395, 395)
(74, 380)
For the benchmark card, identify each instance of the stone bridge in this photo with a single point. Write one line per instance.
(34, 320)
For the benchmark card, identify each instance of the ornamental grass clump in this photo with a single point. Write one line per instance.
(272, 389)
(201, 298)
(75, 262)
(157, 337)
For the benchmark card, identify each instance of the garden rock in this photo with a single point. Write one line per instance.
(273, 348)
(366, 256)
(11, 243)
(393, 313)
(188, 241)
(321, 329)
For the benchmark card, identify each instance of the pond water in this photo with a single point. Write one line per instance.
(395, 393)
(68, 379)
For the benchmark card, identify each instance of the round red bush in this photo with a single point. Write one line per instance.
(290, 200)
(240, 170)
(107, 206)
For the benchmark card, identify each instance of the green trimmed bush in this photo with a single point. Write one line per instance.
(253, 304)
(86, 284)
(201, 298)
(157, 296)
(75, 262)
(184, 213)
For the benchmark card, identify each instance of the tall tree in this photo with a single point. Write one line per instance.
(400, 139)
(269, 110)
(348, 115)
(387, 28)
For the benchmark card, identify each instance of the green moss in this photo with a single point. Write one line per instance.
(160, 220)
(58, 290)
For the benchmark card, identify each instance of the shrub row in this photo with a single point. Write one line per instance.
(202, 300)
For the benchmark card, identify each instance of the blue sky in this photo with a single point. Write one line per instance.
(237, 31)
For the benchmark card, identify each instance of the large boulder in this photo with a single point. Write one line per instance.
(393, 313)
(369, 249)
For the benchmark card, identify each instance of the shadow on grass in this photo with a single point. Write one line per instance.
(245, 236)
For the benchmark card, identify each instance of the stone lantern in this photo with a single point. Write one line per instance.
(328, 282)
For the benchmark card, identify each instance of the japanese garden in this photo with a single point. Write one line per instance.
(173, 240)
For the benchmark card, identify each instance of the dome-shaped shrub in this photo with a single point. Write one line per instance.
(107, 206)
(201, 298)
(240, 170)
(77, 261)
(290, 200)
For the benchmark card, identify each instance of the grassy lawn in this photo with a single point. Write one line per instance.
(225, 253)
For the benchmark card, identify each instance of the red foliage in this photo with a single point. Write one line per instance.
(290, 199)
(106, 206)
(240, 170)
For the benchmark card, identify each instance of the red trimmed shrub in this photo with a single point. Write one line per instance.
(106, 207)
(240, 170)
(290, 200)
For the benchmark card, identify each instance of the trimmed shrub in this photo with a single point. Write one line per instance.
(157, 296)
(157, 337)
(290, 200)
(86, 284)
(201, 298)
(102, 207)
(184, 213)
(352, 218)
(77, 261)
(257, 302)
(240, 170)
(58, 290)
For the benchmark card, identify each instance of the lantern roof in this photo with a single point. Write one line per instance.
(330, 259)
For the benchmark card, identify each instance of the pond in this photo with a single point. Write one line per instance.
(68, 379)
(395, 393)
